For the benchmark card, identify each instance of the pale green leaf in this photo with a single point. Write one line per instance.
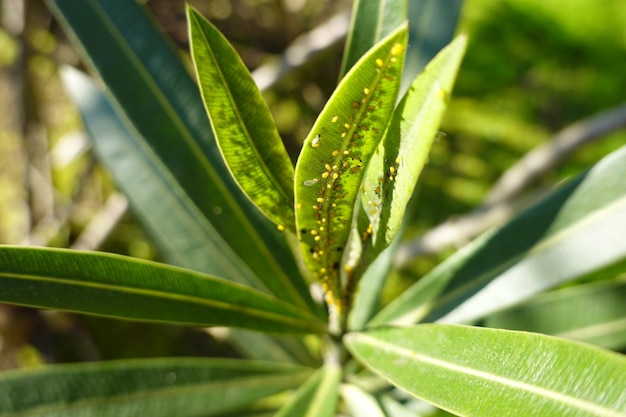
(573, 232)
(317, 397)
(360, 403)
(243, 125)
(481, 372)
(397, 164)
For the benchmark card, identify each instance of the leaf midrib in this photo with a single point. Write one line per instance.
(256, 311)
(474, 372)
(268, 172)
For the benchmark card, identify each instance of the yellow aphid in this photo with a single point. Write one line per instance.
(315, 207)
(397, 49)
(317, 238)
(335, 153)
(334, 119)
(374, 211)
(314, 232)
(327, 166)
(346, 152)
(366, 91)
(348, 268)
(398, 159)
(392, 170)
(316, 141)
(370, 228)
(322, 270)
(281, 227)
(347, 126)
(299, 205)
(379, 62)
(343, 134)
(320, 200)
(325, 175)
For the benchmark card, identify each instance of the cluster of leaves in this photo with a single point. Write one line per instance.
(222, 199)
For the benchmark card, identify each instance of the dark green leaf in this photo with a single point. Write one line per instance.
(156, 96)
(371, 21)
(155, 387)
(432, 25)
(117, 286)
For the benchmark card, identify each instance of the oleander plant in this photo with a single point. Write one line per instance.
(292, 259)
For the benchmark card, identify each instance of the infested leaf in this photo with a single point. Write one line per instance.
(334, 157)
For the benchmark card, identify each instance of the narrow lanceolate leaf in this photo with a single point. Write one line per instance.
(157, 99)
(371, 21)
(480, 372)
(122, 287)
(432, 26)
(317, 397)
(243, 125)
(395, 167)
(334, 156)
(573, 232)
(153, 387)
(592, 313)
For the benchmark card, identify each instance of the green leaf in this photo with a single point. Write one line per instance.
(485, 372)
(155, 95)
(152, 387)
(394, 408)
(335, 154)
(432, 25)
(315, 398)
(397, 164)
(243, 125)
(371, 21)
(122, 287)
(366, 298)
(574, 231)
(184, 234)
(360, 403)
(275, 348)
(591, 313)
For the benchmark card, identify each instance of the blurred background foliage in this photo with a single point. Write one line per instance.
(532, 68)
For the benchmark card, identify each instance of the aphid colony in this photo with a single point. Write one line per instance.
(341, 172)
